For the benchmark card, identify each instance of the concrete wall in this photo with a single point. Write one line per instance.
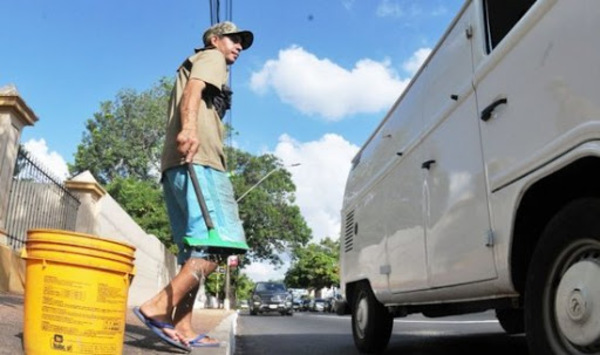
(12, 271)
(154, 264)
(14, 116)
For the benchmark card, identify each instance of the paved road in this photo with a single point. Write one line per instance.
(316, 334)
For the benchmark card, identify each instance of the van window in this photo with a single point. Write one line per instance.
(501, 17)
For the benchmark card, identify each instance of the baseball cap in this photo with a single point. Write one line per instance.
(228, 28)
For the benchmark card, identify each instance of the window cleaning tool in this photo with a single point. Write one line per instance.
(215, 243)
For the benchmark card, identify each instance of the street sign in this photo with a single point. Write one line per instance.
(232, 261)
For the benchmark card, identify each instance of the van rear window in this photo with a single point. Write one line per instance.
(501, 17)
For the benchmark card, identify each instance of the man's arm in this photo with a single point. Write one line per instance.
(187, 141)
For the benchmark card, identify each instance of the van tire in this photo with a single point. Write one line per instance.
(511, 320)
(565, 270)
(372, 323)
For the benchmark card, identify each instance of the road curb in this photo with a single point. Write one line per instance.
(225, 331)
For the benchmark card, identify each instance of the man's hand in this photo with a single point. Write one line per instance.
(187, 143)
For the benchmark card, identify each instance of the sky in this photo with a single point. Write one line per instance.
(317, 81)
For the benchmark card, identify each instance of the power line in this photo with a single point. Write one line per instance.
(215, 12)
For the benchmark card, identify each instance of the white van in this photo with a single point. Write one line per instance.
(480, 189)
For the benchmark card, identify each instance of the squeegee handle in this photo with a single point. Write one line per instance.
(203, 208)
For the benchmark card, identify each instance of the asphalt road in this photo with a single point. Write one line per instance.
(317, 333)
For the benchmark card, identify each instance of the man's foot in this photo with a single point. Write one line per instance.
(165, 331)
(203, 341)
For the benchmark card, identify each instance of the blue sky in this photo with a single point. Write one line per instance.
(319, 77)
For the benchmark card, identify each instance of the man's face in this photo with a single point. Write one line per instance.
(229, 45)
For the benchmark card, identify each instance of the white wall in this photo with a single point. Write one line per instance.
(154, 264)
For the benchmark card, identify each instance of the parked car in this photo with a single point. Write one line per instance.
(271, 297)
(330, 304)
(305, 304)
(297, 304)
(243, 304)
(320, 305)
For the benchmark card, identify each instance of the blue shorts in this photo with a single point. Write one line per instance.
(184, 210)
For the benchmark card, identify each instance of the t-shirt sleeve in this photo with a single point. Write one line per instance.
(209, 67)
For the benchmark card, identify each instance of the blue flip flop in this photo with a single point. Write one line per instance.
(197, 342)
(156, 327)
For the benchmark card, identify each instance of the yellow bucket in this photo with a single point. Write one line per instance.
(76, 290)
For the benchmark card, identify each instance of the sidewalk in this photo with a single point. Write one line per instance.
(138, 339)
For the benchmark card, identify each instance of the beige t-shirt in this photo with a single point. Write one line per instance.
(209, 66)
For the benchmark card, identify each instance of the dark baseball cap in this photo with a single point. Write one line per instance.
(228, 28)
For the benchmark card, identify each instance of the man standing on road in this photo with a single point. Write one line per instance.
(195, 135)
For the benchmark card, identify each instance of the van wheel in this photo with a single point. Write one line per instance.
(371, 322)
(511, 320)
(562, 296)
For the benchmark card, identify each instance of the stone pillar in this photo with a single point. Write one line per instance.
(14, 115)
(85, 187)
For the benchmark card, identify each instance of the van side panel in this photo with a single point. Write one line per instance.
(384, 197)
(540, 69)
(457, 215)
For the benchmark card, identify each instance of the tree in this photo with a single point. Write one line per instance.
(125, 138)
(143, 200)
(215, 284)
(243, 286)
(315, 266)
(121, 147)
(272, 222)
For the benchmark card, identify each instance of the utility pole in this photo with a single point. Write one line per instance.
(227, 287)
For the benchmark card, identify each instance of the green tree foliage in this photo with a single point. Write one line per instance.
(272, 221)
(125, 138)
(315, 266)
(240, 287)
(215, 284)
(243, 286)
(121, 147)
(143, 200)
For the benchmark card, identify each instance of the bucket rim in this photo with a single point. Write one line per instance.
(78, 234)
(116, 265)
(83, 250)
(40, 244)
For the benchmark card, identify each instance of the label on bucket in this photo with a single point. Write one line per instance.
(75, 311)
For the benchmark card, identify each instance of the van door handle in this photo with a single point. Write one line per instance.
(486, 114)
(427, 165)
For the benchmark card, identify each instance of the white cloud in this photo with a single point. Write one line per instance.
(439, 11)
(418, 58)
(265, 272)
(320, 180)
(408, 10)
(322, 87)
(53, 161)
(348, 4)
(388, 8)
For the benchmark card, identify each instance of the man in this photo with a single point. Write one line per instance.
(195, 135)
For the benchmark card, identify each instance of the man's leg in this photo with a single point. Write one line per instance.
(176, 294)
(184, 310)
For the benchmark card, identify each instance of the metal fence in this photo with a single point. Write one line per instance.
(37, 200)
